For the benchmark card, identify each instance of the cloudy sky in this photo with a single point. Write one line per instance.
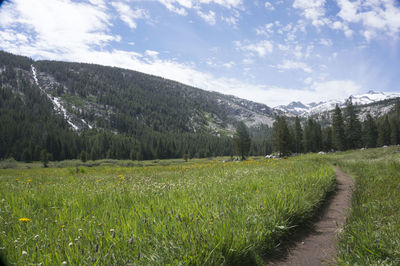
(272, 52)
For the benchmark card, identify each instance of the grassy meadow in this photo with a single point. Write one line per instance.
(372, 233)
(201, 212)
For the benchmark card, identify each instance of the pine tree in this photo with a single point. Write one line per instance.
(352, 127)
(308, 136)
(298, 136)
(394, 131)
(370, 132)
(395, 124)
(44, 157)
(281, 136)
(338, 135)
(384, 132)
(83, 156)
(242, 140)
(327, 139)
(312, 136)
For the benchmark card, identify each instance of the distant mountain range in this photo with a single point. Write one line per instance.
(312, 109)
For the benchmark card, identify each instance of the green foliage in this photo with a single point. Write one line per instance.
(312, 136)
(372, 235)
(327, 138)
(338, 133)
(83, 156)
(281, 136)
(44, 158)
(208, 213)
(298, 136)
(352, 127)
(261, 140)
(242, 140)
(384, 132)
(370, 132)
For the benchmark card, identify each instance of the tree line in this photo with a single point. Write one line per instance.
(346, 131)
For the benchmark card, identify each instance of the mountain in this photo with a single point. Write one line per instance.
(104, 97)
(107, 112)
(315, 109)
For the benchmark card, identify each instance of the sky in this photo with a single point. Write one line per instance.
(273, 52)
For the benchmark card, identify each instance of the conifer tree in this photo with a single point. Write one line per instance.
(352, 127)
(242, 140)
(44, 157)
(312, 136)
(298, 136)
(370, 132)
(384, 132)
(394, 131)
(338, 135)
(327, 139)
(395, 124)
(281, 136)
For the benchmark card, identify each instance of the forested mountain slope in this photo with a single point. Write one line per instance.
(70, 109)
(127, 101)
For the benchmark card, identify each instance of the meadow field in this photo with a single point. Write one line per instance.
(174, 212)
(372, 233)
(197, 212)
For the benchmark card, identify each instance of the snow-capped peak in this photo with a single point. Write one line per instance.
(301, 109)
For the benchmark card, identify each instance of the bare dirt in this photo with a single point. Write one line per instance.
(316, 245)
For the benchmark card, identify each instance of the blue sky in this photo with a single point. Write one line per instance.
(272, 52)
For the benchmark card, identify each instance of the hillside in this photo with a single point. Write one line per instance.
(70, 108)
(124, 101)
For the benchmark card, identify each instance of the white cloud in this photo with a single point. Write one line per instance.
(326, 42)
(318, 91)
(269, 6)
(128, 15)
(308, 80)
(180, 6)
(58, 25)
(376, 17)
(178, 9)
(338, 25)
(229, 64)
(261, 48)
(283, 47)
(265, 30)
(231, 20)
(313, 10)
(208, 17)
(293, 65)
(151, 53)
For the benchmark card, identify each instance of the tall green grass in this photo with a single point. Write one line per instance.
(372, 233)
(198, 213)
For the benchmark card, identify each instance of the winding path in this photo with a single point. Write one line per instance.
(318, 246)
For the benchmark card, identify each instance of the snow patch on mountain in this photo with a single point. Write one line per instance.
(56, 102)
(300, 109)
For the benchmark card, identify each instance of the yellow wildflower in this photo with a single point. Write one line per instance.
(62, 226)
(24, 220)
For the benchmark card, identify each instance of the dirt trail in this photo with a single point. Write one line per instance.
(317, 246)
